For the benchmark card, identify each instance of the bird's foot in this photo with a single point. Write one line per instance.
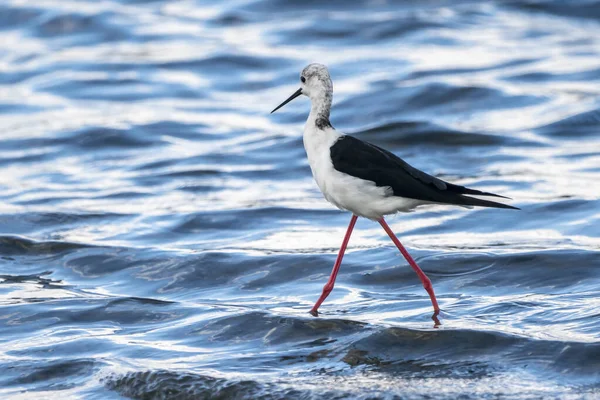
(314, 313)
(436, 321)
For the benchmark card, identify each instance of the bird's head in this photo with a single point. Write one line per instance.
(314, 83)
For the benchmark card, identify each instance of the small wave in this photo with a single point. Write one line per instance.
(48, 375)
(35, 278)
(16, 245)
(183, 385)
(237, 219)
(585, 124)
(581, 9)
(215, 64)
(427, 134)
(11, 17)
(277, 330)
(95, 138)
(399, 349)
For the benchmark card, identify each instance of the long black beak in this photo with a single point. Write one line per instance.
(292, 97)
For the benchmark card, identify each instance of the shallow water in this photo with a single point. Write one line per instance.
(161, 235)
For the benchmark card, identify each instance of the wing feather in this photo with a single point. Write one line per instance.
(369, 162)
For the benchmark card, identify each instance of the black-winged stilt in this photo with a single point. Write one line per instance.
(367, 180)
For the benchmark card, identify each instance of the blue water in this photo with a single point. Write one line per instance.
(161, 235)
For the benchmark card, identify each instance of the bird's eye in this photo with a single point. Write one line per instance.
(303, 79)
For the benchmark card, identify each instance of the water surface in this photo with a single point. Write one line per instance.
(161, 235)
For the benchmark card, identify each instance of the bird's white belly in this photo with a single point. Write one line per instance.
(361, 197)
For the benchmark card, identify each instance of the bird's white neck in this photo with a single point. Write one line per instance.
(319, 111)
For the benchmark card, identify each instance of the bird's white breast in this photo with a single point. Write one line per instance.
(346, 192)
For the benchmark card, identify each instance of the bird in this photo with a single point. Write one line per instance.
(365, 179)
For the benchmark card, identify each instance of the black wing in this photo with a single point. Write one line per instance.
(369, 162)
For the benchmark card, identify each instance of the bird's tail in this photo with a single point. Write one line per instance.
(472, 201)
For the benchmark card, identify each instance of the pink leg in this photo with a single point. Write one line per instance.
(424, 279)
(336, 268)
